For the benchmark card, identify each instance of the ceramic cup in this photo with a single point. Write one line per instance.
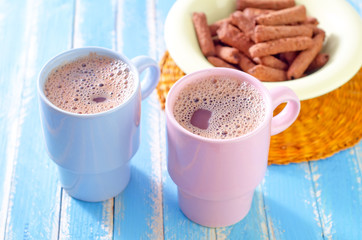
(216, 178)
(93, 151)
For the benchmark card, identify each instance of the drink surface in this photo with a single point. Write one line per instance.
(90, 84)
(219, 107)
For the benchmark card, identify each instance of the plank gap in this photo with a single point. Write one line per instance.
(60, 211)
(74, 22)
(315, 198)
(162, 158)
(265, 212)
(116, 26)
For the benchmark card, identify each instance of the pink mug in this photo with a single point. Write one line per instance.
(216, 178)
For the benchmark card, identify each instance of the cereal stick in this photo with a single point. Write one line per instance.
(311, 20)
(215, 26)
(284, 16)
(217, 62)
(267, 74)
(265, 33)
(266, 4)
(203, 34)
(243, 23)
(229, 54)
(233, 37)
(319, 61)
(288, 56)
(304, 58)
(252, 13)
(245, 63)
(280, 45)
(271, 61)
(317, 31)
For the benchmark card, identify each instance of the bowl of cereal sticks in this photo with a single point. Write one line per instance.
(312, 47)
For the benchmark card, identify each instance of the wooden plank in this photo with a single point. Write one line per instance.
(133, 34)
(84, 220)
(43, 30)
(138, 211)
(290, 203)
(338, 187)
(10, 91)
(162, 7)
(93, 26)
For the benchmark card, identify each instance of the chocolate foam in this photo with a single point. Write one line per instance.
(90, 84)
(236, 107)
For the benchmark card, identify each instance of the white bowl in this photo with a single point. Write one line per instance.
(342, 24)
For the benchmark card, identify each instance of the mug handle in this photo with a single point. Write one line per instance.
(150, 81)
(289, 114)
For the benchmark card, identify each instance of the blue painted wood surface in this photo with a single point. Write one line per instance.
(92, 18)
(312, 200)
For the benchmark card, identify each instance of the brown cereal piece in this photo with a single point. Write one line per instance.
(304, 58)
(264, 4)
(285, 16)
(229, 54)
(272, 61)
(266, 33)
(215, 26)
(244, 23)
(218, 62)
(252, 13)
(267, 74)
(317, 31)
(280, 45)
(245, 63)
(233, 37)
(288, 57)
(311, 20)
(203, 33)
(319, 61)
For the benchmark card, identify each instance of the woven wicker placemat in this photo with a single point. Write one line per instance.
(325, 126)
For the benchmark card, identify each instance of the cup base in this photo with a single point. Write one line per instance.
(95, 187)
(212, 213)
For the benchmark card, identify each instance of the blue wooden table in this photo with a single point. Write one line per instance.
(312, 200)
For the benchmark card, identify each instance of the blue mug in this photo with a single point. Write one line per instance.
(93, 151)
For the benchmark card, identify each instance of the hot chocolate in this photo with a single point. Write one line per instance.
(219, 108)
(90, 84)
